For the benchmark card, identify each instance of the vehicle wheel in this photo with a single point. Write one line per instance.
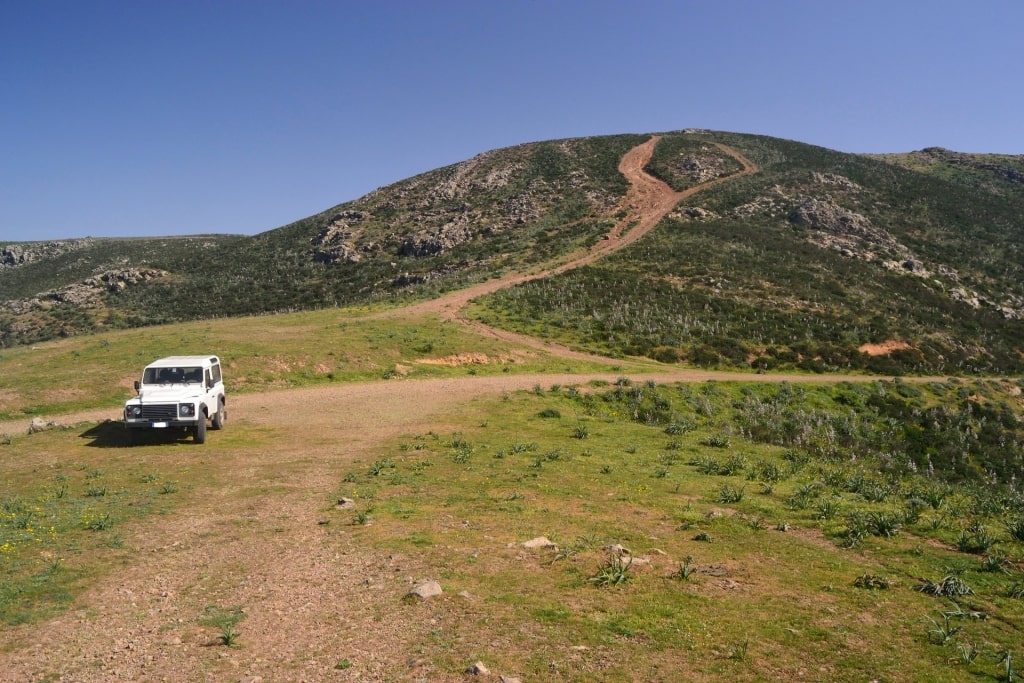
(200, 434)
(218, 418)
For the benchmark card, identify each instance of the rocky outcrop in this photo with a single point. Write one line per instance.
(38, 424)
(699, 213)
(702, 167)
(1011, 309)
(834, 180)
(482, 173)
(14, 255)
(982, 163)
(119, 280)
(825, 215)
(522, 208)
(336, 243)
(459, 230)
(432, 213)
(832, 226)
(86, 294)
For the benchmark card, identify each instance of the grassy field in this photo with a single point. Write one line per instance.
(748, 531)
(270, 352)
(744, 561)
(60, 530)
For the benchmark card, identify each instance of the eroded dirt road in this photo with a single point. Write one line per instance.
(645, 204)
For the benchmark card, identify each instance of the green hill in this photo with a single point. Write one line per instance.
(820, 261)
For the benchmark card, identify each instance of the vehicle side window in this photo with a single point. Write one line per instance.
(215, 370)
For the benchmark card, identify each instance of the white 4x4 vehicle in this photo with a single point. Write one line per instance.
(178, 392)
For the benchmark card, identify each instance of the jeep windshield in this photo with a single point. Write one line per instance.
(172, 376)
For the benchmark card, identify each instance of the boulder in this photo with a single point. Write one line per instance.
(541, 543)
(478, 669)
(826, 215)
(38, 424)
(426, 590)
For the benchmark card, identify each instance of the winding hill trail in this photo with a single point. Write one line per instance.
(251, 531)
(646, 202)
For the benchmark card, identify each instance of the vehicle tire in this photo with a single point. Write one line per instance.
(218, 418)
(200, 433)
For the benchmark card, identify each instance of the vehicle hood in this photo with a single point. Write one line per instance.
(169, 394)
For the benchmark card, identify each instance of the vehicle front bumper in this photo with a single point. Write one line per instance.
(159, 424)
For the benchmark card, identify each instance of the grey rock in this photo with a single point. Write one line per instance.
(835, 180)
(437, 241)
(14, 255)
(701, 167)
(699, 213)
(336, 243)
(541, 542)
(478, 669)
(826, 215)
(426, 590)
(38, 424)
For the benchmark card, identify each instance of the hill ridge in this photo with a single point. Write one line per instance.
(804, 264)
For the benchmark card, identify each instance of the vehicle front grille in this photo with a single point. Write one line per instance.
(160, 411)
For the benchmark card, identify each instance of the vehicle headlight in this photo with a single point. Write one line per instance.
(186, 410)
(133, 411)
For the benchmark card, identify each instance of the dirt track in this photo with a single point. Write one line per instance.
(645, 204)
(308, 603)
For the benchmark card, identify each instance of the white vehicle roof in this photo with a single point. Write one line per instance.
(181, 361)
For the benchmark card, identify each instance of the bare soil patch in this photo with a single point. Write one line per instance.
(884, 348)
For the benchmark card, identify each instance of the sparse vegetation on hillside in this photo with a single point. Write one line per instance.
(953, 432)
(797, 266)
(998, 174)
(800, 266)
(441, 230)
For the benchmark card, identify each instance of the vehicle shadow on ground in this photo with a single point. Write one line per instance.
(112, 434)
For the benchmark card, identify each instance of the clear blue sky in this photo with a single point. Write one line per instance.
(137, 118)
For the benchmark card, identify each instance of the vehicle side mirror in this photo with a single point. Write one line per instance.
(137, 386)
